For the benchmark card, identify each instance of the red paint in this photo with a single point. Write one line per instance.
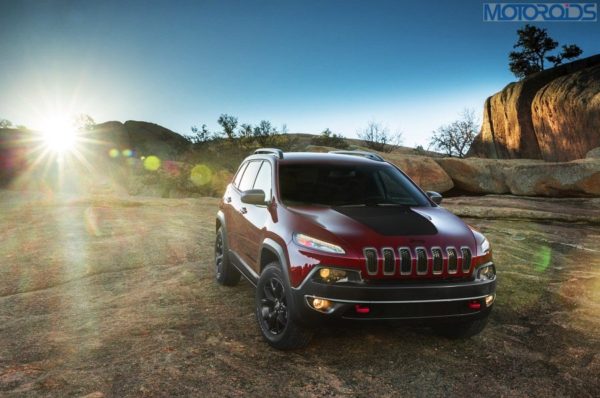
(278, 223)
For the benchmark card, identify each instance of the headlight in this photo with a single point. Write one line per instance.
(485, 246)
(486, 273)
(334, 275)
(317, 244)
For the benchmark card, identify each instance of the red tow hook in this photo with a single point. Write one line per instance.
(474, 305)
(362, 309)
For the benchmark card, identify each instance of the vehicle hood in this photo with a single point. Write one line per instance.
(381, 226)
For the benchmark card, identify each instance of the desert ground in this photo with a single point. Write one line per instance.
(114, 296)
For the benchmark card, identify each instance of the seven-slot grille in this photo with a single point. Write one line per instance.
(419, 261)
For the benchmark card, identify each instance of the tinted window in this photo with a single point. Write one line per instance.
(343, 185)
(263, 180)
(239, 175)
(249, 176)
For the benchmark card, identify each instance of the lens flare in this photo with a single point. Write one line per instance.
(200, 175)
(542, 258)
(152, 163)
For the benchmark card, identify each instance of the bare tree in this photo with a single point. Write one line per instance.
(456, 138)
(379, 138)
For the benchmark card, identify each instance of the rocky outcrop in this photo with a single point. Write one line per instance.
(579, 177)
(525, 177)
(141, 137)
(422, 170)
(479, 176)
(553, 115)
(593, 154)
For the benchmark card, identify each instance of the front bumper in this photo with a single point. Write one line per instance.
(427, 301)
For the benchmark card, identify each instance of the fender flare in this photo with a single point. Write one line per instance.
(279, 252)
(221, 218)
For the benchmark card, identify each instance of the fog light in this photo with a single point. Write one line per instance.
(324, 273)
(489, 300)
(321, 304)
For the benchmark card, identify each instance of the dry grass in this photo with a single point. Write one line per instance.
(115, 297)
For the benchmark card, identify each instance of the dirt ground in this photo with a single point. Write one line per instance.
(115, 297)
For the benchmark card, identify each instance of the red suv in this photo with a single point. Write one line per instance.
(347, 235)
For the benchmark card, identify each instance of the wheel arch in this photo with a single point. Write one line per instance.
(272, 251)
(220, 222)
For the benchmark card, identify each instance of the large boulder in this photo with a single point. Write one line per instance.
(593, 154)
(480, 176)
(422, 170)
(524, 177)
(552, 115)
(576, 178)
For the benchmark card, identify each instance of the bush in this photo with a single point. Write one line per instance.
(327, 138)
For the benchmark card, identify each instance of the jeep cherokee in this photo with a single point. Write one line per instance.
(347, 235)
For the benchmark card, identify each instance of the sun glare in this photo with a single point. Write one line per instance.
(59, 134)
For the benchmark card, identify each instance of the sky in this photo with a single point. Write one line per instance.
(338, 64)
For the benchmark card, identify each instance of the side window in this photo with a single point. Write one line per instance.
(249, 176)
(264, 179)
(238, 176)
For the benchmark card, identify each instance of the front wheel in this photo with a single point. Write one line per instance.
(275, 311)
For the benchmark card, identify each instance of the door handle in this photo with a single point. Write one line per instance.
(243, 210)
(228, 199)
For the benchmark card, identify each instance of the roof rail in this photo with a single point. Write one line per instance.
(364, 154)
(269, 151)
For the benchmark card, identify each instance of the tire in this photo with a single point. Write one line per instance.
(462, 330)
(225, 272)
(275, 311)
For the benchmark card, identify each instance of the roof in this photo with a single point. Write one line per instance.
(311, 157)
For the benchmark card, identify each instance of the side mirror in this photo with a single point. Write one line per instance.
(253, 197)
(435, 197)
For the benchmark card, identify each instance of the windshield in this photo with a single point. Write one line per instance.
(347, 185)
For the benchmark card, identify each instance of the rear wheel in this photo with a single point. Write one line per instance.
(462, 330)
(225, 272)
(275, 311)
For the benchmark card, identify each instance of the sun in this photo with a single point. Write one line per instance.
(59, 133)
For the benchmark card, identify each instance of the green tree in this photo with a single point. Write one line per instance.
(532, 46)
(229, 123)
(263, 132)
(200, 135)
(5, 123)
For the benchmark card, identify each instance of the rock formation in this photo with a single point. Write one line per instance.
(524, 177)
(552, 115)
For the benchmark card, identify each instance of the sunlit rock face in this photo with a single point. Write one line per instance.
(524, 177)
(553, 115)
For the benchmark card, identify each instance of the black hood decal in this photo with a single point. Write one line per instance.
(390, 221)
